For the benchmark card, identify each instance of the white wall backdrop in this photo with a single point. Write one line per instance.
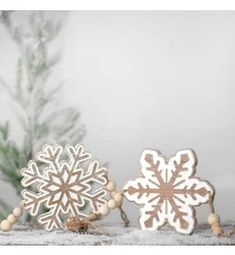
(161, 80)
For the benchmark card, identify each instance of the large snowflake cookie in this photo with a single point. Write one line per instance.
(63, 187)
(168, 190)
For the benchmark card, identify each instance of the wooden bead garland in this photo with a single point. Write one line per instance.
(103, 210)
(11, 218)
(213, 218)
(112, 204)
(214, 221)
(17, 212)
(217, 231)
(112, 194)
(110, 186)
(116, 197)
(115, 202)
(6, 225)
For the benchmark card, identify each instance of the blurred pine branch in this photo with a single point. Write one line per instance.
(33, 99)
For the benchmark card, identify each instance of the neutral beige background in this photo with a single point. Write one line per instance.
(161, 80)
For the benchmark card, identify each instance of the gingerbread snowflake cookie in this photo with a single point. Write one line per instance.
(63, 187)
(168, 190)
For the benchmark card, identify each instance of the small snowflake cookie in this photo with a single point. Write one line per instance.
(63, 186)
(168, 190)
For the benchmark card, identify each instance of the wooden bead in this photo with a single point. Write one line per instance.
(118, 197)
(103, 210)
(17, 212)
(112, 204)
(215, 225)
(110, 186)
(217, 231)
(113, 193)
(213, 218)
(5, 225)
(11, 219)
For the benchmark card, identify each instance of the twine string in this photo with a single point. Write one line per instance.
(77, 225)
(124, 216)
(210, 202)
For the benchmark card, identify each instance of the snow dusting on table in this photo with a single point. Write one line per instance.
(114, 235)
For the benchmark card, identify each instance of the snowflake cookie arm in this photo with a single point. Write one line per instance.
(77, 155)
(32, 175)
(141, 190)
(95, 173)
(50, 155)
(152, 214)
(98, 175)
(33, 202)
(194, 191)
(181, 216)
(153, 165)
(145, 190)
(181, 166)
(188, 190)
(95, 199)
(51, 219)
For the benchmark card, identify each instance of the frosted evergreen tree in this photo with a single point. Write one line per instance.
(34, 96)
